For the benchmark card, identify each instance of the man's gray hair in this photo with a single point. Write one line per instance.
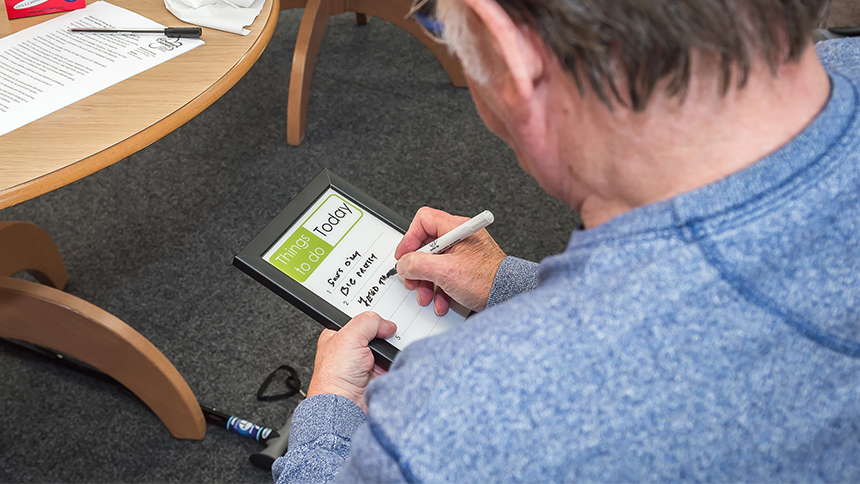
(623, 48)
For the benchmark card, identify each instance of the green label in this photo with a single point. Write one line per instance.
(300, 255)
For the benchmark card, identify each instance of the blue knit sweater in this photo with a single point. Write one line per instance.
(711, 337)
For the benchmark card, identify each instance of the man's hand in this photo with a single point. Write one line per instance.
(465, 272)
(344, 364)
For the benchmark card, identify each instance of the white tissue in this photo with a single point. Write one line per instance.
(229, 16)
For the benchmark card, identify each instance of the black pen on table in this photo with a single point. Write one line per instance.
(176, 32)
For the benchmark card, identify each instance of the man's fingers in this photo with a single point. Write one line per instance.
(412, 240)
(424, 267)
(425, 292)
(441, 303)
(386, 329)
(325, 336)
(422, 229)
(427, 225)
(367, 326)
(429, 271)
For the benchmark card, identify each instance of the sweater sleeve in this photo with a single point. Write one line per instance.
(515, 276)
(320, 439)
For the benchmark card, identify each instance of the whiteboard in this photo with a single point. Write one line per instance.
(329, 252)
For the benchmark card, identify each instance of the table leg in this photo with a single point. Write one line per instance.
(48, 317)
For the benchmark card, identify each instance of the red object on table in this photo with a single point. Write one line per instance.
(29, 8)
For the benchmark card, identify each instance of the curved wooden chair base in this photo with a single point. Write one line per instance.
(51, 318)
(314, 20)
(25, 247)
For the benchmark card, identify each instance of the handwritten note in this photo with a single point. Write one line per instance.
(342, 254)
(46, 67)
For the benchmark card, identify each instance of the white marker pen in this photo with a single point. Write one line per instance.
(445, 242)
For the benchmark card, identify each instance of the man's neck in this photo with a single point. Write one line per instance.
(671, 149)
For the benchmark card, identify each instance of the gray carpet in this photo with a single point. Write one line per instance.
(151, 238)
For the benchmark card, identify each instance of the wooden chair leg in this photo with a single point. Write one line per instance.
(393, 11)
(314, 20)
(48, 317)
(26, 247)
(54, 319)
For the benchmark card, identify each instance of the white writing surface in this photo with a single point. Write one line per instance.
(342, 253)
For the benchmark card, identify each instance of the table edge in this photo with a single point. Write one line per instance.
(140, 140)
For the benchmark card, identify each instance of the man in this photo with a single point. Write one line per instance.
(706, 324)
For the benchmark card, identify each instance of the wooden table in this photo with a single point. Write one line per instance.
(108, 127)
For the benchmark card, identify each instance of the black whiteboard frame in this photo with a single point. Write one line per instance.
(250, 259)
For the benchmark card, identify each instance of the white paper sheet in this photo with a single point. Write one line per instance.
(342, 253)
(45, 68)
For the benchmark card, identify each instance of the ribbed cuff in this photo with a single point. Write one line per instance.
(325, 415)
(514, 277)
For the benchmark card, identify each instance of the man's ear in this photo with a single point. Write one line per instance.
(518, 47)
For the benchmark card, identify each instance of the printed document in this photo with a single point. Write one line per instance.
(45, 67)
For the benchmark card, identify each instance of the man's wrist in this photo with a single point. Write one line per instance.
(323, 414)
(324, 386)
